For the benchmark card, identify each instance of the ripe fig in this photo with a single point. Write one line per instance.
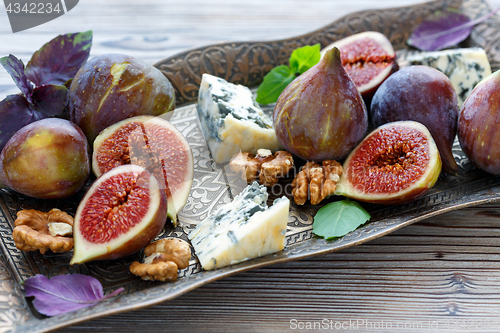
(46, 159)
(396, 163)
(122, 212)
(368, 58)
(155, 144)
(479, 125)
(423, 94)
(113, 87)
(320, 115)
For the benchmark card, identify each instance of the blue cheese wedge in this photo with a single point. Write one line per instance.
(464, 67)
(232, 121)
(241, 230)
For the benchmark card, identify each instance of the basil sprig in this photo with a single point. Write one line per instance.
(279, 77)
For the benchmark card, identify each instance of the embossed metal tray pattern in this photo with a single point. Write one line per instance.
(244, 63)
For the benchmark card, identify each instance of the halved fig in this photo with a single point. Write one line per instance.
(396, 163)
(120, 214)
(368, 58)
(155, 144)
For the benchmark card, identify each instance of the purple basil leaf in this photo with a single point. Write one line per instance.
(15, 112)
(444, 29)
(64, 293)
(50, 99)
(15, 68)
(59, 60)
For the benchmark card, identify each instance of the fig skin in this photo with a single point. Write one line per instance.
(479, 125)
(137, 236)
(113, 87)
(46, 159)
(367, 159)
(423, 94)
(174, 155)
(368, 58)
(321, 115)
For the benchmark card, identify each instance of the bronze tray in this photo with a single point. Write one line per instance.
(244, 63)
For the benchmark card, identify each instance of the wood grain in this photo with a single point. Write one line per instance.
(444, 270)
(441, 273)
(156, 29)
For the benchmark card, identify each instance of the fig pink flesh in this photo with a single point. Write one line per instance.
(396, 158)
(396, 163)
(364, 59)
(117, 205)
(154, 144)
(368, 58)
(122, 212)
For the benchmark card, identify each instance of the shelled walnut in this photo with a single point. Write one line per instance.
(318, 181)
(265, 166)
(35, 230)
(163, 258)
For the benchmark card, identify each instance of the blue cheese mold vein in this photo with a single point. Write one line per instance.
(241, 230)
(232, 121)
(465, 67)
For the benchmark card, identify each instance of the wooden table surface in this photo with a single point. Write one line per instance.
(441, 273)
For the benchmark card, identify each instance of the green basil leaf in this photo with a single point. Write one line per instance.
(338, 218)
(304, 58)
(273, 84)
(279, 77)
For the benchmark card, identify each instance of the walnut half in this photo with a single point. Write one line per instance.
(265, 166)
(32, 231)
(163, 258)
(317, 180)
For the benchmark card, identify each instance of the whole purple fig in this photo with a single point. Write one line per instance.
(320, 115)
(479, 125)
(46, 159)
(113, 87)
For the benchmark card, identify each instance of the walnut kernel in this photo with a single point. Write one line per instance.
(265, 166)
(318, 181)
(163, 258)
(31, 231)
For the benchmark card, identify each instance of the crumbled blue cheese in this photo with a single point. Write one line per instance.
(243, 229)
(464, 67)
(232, 121)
